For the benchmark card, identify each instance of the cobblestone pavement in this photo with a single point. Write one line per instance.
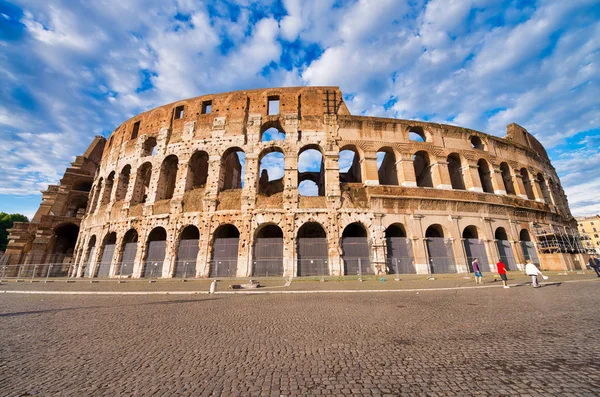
(491, 341)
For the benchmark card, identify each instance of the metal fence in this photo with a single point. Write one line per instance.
(268, 257)
(441, 255)
(223, 268)
(475, 248)
(506, 254)
(36, 271)
(356, 256)
(404, 265)
(312, 257)
(400, 256)
(185, 268)
(312, 267)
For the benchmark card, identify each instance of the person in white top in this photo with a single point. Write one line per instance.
(533, 271)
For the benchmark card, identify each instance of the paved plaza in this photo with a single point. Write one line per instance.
(480, 341)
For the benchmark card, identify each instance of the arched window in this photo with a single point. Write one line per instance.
(110, 180)
(544, 188)
(123, 183)
(197, 171)
(527, 184)
(232, 169)
(455, 171)
(272, 131)
(386, 167)
(311, 171)
(422, 168)
(141, 190)
(312, 250)
(507, 178)
(96, 197)
(271, 170)
(416, 134)
(355, 250)
(485, 176)
(167, 178)
(349, 165)
(268, 252)
(225, 251)
(155, 252)
(149, 147)
(400, 258)
(476, 143)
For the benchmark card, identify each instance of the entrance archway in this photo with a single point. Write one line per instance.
(108, 250)
(475, 248)
(225, 251)
(90, 256)
(155, 252)
(268, 252)
(312, 250)
(187, 252)
(400, 258)
(505, 251)
(439, 250)
(528, 247)
(355, 250)
(130, 242)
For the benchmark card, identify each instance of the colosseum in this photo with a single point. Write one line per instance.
(286, 182)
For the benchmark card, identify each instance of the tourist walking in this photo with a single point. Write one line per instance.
(595, 264)
(477, 271)
(501, 267)
(533, 271)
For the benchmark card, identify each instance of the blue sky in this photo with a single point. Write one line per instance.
(70, 70)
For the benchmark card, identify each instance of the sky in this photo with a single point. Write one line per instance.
(70, 70)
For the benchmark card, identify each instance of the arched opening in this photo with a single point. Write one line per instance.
(108, 251)
(311, 172)
(505, 251)
(187, 252)
(272, 131)
(312, 250)
(544, 188)
(123, 183)
(141, 190)
(475, 248)
(422, 168)
(76, 207)
(507, 178)
(528, 247)
(96, 197)
(386, 167)
(476, 143)
(416, 134)
(439, 251)
(232, 169)
(110, 180)
(64, 240)
(527, 184)
(455, 171)
(355, 250)
(90, 257)
(149, 147)
(271, 170)
(83, 186)
(197, 174)
(130, 243)
(155, 252)
(167, 178)
(485, 176)
(268, 252)
(400, 258)
(349, 165)
(225, 251)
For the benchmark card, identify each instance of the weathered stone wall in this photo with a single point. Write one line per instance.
(313, 117)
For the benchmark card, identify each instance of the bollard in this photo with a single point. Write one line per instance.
(213, 287)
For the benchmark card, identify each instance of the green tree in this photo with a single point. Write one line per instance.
(6, 222)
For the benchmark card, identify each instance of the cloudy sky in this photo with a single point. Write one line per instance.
(71, 69)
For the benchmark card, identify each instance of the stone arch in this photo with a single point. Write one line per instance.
(528, 247)
(197, 172)
(224, 256)
(187, 252)
(544, 188)
(167, 178)
(156, 245)
(96, 197)
(108, 250)
(507, 178)
(527, 184)
(267, 251)
(355, 250)
(149, 147)
(505, 250)
(64, 240)
(485, 176)
(129, 250)
(439, 250)
(90, 257)
(349, 155)
(272, 131)
(123, 183)
(399, 251)
(271, 171)
(312, 250)
(476, 142)
(76, 205)
(435, 231)
(83, 186)
(417, 134)
(311, 169)
(455, 171)
(231, 175)
(386, 166)
(422, 167)
(108, 187)
(141, 189)
(475, 248)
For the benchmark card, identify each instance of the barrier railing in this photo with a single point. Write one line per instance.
(36, 271)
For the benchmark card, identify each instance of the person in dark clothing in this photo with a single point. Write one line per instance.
(595, 264)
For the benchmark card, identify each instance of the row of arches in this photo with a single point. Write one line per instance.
(312, 252)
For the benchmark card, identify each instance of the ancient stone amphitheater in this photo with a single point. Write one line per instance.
(286, 182)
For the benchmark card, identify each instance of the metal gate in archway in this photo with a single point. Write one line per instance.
(224, 257)
(530, 252)
(312, 256)
(506, 254)
(441, 255)
(127, 261)
(356, 256)
(475, 248)
(89, 267)
(187, 254)
(104, 265)
(155, 258)
(268, 257)
(400, 259)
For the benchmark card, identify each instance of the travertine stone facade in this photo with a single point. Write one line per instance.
(175, 166)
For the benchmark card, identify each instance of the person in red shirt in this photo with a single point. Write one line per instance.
(502, 273)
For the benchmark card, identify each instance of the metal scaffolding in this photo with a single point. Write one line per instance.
(559, 239)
